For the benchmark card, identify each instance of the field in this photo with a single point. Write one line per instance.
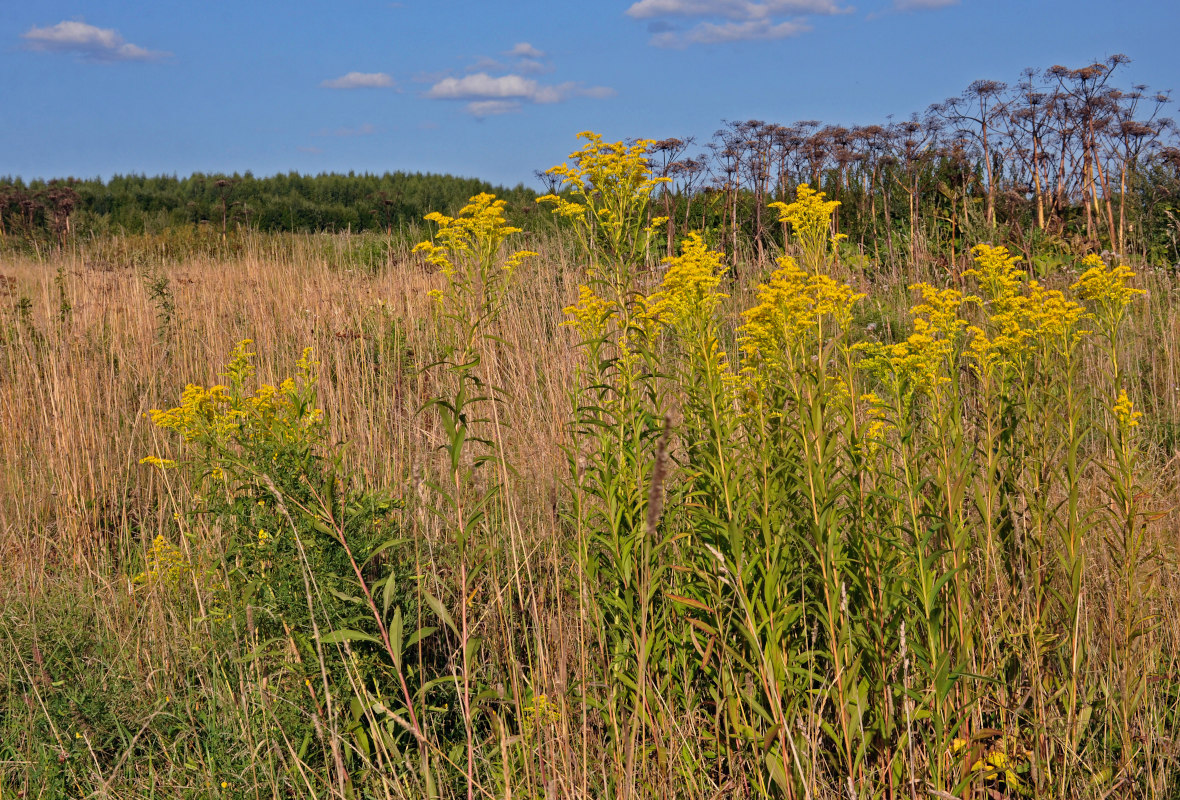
(546, 515)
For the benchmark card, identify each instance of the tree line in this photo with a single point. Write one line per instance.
(291, 202)
(1061, 161)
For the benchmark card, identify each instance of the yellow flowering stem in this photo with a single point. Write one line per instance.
(611, 186)
(1126, 546)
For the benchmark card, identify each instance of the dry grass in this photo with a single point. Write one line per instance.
(75, 391)
(77, 509)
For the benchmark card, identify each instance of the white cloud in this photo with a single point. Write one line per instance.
(481, 84)
(531, 66)
(89, 42)
(720, 21)
(730, 9)
(491, 108)
(922, 5)
(713, 33)
(360, 80)
(502, 94)
(525, 50)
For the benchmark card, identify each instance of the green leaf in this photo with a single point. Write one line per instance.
(348, 635)
(441, 612)
(417, 636)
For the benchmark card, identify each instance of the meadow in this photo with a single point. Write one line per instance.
(550, 514)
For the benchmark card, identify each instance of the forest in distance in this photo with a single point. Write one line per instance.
(1060, 159)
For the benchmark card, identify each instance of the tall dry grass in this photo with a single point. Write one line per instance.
(90, 345)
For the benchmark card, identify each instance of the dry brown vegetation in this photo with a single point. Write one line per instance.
(88, 346)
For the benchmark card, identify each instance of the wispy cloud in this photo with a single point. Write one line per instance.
(525, 50)
(87, 42)
(360, 80)
(315, 151)
(522, 59)
(532, 66)
(492, 108)
(713, 33)
(922, 5)
(721, 21)
(502, 94)
(730, 9)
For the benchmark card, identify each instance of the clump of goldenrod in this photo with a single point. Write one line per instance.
(922, 363)
(589, 315)
(222, 418)
(792, 305)
(810, 219)
(166, 564)
(610, 186)
(689, 290)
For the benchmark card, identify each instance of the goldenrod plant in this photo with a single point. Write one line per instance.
(581, 520)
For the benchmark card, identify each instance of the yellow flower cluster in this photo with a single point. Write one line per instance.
(920, 364)
(1051, 314)
(1018, 321)
(475, 234)
(809, 214)
(220, 415)
(165, 563)
(790, 305)
(810, 218)
(607, 169)
(996, 272)
(589, 315)
(1125, 413)
(202, 412)
(540, 713)
(994, 764)
(611, 185)
(1108, 290)
(1106, 285)
(689, 289)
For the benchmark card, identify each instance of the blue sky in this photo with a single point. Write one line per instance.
(499, 89)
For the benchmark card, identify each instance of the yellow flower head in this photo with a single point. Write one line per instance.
(611, 185)
(1107, 289)
(475, 235)
(540, 713)
(1051, 314)
(921, 363)
(603, 168)
(791, 305)
(810, 218)
(1125, 413)
(689, 289)
(995, 270)
(221, 418)
(809, 215)
(589, 315)
(1106, 285)
(166, 563)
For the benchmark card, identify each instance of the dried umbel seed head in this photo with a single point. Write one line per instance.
(659, 473)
